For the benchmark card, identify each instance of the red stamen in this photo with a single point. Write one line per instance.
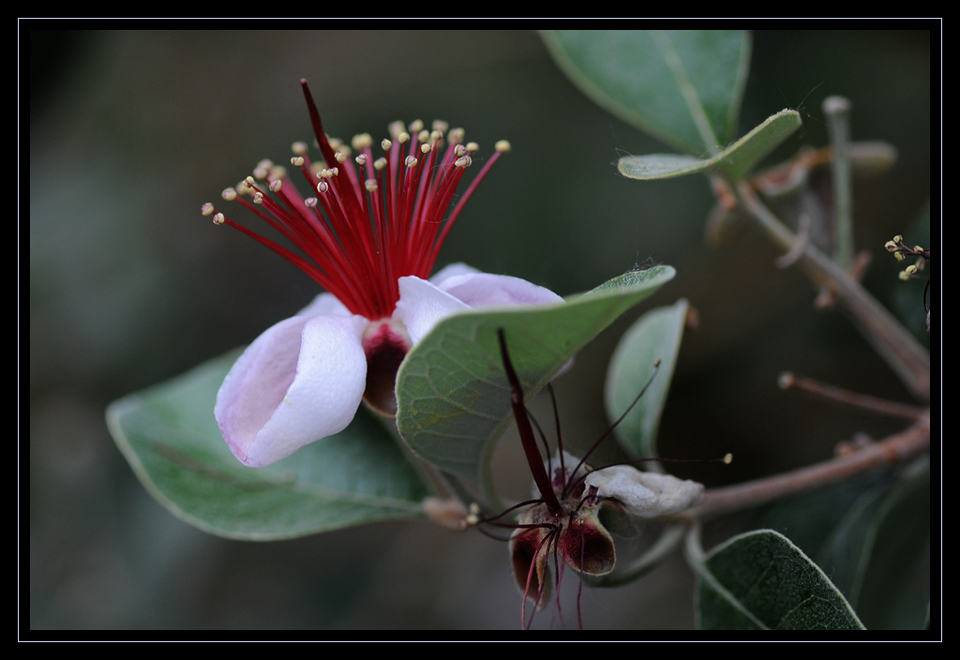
(366, 228)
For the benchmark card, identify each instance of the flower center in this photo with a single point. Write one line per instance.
(386, 344)
(374, 219)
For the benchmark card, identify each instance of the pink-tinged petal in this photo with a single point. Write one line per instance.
(300, 381)
(422, 305)
(486, 290)
(325, 304)
(452, 270)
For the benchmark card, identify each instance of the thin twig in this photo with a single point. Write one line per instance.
(837, 111)
(889, 338)
(789, 381)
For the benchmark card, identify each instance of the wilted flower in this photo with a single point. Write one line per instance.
(569, 525)
(371, 237)
(566, 522)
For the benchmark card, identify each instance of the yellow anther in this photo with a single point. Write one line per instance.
(218, 219)
(423, 136)
(275, 185)
(898, 255)
(424, 148)
(310, 201)
(502, 146)
(370, 185)
(335, 143)
(898, 238)
(379, 164)
(396, 128)
(258, 197)
(297, 161)
(229, 194)
(656, 363)
(341, 157)
(386, 144)
(456, 136)
(362, 141)
(299, 148)
(459, 150)
(322, 187)
(361, 159)
(910, 270)
(728, 459)
(416, 126)
(917, 248)
(904, 275)
(410, 161)
(277, 172)
(463, 161)
(206, 209)
(890, 246)
(436, 136)
(473, 146)
(403, 138)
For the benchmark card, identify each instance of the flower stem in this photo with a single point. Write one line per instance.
(892, 450)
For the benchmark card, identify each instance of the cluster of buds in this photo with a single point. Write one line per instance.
(902, 251)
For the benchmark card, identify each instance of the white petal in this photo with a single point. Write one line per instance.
(422, 305)
(646, 494)
(325, 304)
(486, 290)
(300, 381)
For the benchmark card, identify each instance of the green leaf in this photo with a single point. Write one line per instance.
(829, 524)
(170, 437)
(762, 581)
(453, 395)
(735, 162)
(871, 535)
(682, 86)
(656, 335)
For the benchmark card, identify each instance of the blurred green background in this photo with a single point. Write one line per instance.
(130, 132)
